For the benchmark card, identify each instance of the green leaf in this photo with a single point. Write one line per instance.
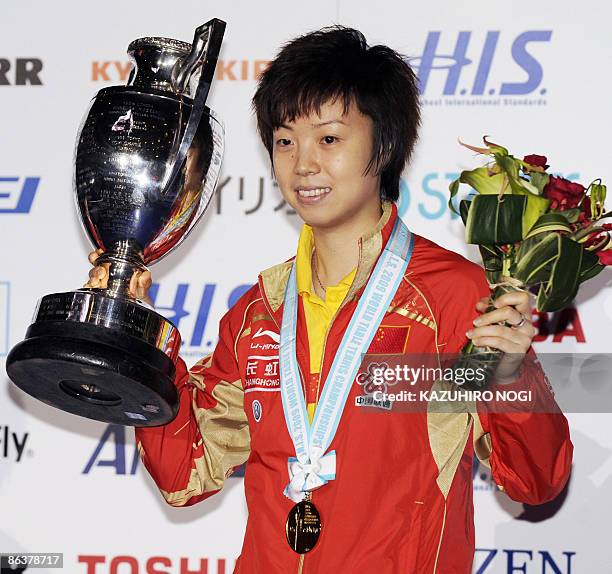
(454, 189)
(482, 182)
(493, 220)
(554, 262)
(590, 266)
(464, 208)
(536, 257)
(591, 272)
(539, 180)
(510, 166)
(495, 148)
(492, 258)
(549, 222)
(562, 286)
(534, 209)
(570, 215)
(481, 150)
(519, 185)
(528, 244)
(526, 184)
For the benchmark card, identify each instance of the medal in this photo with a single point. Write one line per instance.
(303, 526)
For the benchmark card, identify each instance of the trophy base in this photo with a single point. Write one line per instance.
(107, 359)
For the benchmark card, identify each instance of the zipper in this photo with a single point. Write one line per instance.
(331, 322)
(329, 327)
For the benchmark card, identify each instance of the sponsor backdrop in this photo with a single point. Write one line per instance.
(532, 77)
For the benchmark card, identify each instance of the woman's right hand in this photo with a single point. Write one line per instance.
(98, 278)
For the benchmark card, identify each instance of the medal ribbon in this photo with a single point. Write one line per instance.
(312, 467)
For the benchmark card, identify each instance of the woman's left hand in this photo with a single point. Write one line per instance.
(513, 336)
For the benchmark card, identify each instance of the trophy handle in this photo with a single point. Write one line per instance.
(205, 49)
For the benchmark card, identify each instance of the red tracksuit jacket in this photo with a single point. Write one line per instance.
(402, 498)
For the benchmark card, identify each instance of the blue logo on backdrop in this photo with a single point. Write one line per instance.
(111, 451)
(190, 310)
(431, 200)
(427, 196)
(465, 69)
(517, 560)
(17, 194)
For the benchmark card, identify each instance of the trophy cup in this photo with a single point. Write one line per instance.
(147, 160)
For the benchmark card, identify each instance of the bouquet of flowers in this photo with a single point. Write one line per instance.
(535, 231)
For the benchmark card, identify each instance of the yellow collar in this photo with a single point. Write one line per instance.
(274, 279)
(303, 265)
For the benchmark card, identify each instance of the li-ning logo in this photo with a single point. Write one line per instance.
(261, 332)
(468, 55)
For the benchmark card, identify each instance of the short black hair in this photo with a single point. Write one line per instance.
(336, 64)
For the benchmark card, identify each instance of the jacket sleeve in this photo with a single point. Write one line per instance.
(190, 457)
(529, 449)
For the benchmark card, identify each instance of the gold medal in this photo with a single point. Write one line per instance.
(303, 526)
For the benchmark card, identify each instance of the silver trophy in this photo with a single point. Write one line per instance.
(147, 160)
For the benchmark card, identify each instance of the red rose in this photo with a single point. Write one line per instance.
(563, 194)
(605, 257)
(584, 217)
(536, 160)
